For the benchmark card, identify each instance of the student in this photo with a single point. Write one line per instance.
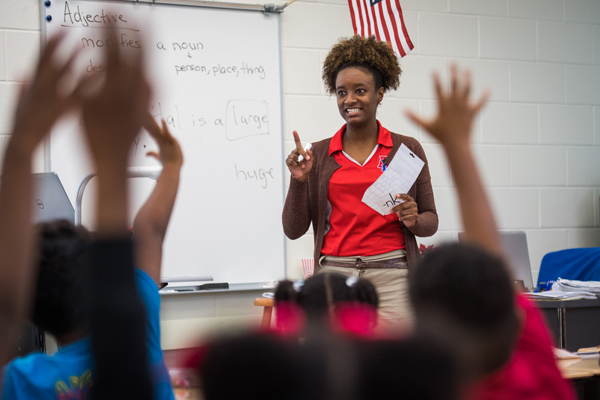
(112, 116)
(463, 294)
(149, 230)
(327, 300)
(258, 366)
(327, 186)
(59, 304)
(42, 99)
(414, 368)
(328, 367)
(60, 309)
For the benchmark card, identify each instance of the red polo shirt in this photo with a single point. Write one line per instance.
(355, 229)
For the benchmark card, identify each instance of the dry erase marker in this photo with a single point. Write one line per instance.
(307, 147)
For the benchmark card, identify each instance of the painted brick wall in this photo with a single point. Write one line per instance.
(537, 141)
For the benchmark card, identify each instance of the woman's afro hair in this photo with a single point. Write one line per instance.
(368, 53)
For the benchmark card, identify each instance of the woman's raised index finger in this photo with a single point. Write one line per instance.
(298, 143)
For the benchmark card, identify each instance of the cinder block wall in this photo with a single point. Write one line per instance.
(537, 141)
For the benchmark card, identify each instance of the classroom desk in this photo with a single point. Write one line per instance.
(584, 374)
(574, 323)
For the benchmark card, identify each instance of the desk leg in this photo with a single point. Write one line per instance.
(266, 318)
(562, 328)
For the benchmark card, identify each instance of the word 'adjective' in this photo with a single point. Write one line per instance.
(88, 20)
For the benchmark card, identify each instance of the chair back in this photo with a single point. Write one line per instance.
(576, 264)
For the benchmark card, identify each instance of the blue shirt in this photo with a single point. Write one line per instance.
(68, 375)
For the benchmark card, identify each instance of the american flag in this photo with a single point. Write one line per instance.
(382, 19)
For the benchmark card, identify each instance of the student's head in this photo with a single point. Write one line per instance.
(413, 368)
(260, 366)
(359, 71)
(59, 299)
(321, 295)
(463, 296)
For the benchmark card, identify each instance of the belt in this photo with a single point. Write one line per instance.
(398, 263)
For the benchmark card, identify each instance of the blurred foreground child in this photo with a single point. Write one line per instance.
(463, 294)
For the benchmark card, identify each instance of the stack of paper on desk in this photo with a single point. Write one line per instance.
(397, 178)
(559, 295)
(565, 289)
(567, 285)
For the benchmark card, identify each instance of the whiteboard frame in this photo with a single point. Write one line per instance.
(268, 8)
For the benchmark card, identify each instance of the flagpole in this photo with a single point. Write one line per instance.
(277, 8)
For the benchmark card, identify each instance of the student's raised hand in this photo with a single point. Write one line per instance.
(169, 150)
(113, 115)
(300, 169)
(42, 101)
(407, 212)
(452, 124)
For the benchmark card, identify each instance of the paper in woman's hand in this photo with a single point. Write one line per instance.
(398, 177)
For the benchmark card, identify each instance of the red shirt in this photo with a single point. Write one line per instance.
(355, 229)
(532, 373)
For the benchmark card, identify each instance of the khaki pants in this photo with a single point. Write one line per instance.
(395, 311)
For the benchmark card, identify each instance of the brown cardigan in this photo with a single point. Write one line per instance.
(306, 201)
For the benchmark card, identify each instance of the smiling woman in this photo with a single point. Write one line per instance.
(327, 186)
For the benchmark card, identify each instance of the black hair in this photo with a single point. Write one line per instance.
(322, 291)
(60, 303)
(260, 366)
(468, 287)
(368, 54)
(468, 282)
(413, 368)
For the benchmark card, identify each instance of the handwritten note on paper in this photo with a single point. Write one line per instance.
(398, 177)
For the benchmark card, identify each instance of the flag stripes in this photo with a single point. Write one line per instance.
(382, 19)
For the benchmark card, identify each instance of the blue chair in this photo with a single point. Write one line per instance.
(577, 264)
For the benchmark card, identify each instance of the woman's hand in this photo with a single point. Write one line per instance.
(408, 212)
(300, 169)
(452, 125)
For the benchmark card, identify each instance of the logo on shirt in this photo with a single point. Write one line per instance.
(382, 166)
(78, 388)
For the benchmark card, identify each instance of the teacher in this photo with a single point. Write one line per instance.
(328, 183)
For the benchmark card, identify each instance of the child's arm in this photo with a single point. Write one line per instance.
(150, 224)
(40, 105)
(452, 127)
(112, 117)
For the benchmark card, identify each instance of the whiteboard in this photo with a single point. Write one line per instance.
(217, 82)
